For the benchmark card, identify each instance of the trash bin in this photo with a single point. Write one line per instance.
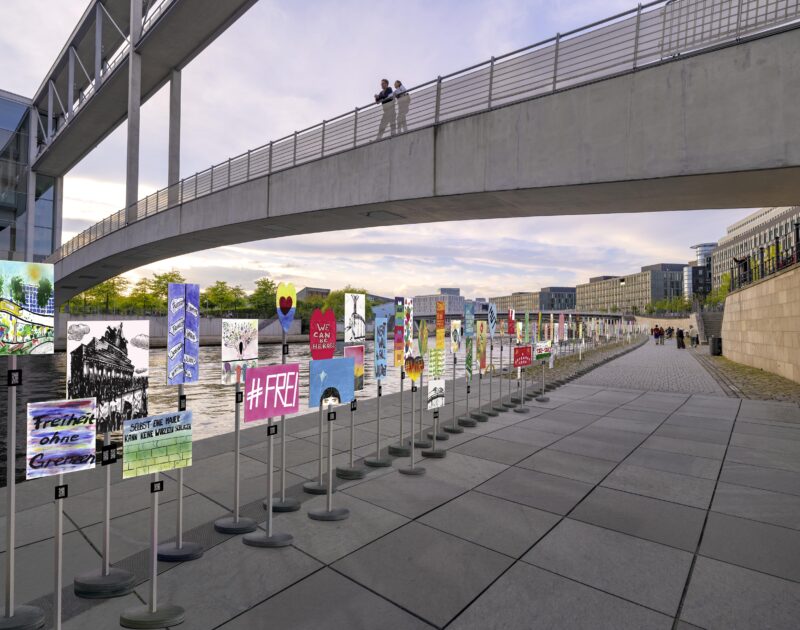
(716, 346)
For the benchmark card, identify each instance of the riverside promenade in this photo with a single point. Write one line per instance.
(602, 508)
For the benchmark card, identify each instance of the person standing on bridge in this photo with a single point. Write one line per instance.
(403, 99)
(386, 100)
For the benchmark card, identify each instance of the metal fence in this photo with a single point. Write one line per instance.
(647, 35)
(766, 261)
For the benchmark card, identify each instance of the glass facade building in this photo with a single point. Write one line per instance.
(20, 232)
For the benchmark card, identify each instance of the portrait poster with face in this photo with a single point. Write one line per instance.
(455, 336)
(399, 330)
(271, 391)
(330, 382)
(183, 333)
(436, 395)
(408, 327)
(27, 306)
(492, 318)
(357, 354)
(239, 349)
(157, 444)
(440, 321)
(110, 361)
(381, 325)
(61, 437)
(286, 303)
(469, 319)
(355, 322)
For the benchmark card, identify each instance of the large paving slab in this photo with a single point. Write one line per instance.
(579, 467)
(658, 484)
(759, 505)
(539, 490)
(502, 451)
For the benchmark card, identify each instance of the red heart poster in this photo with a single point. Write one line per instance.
(322, 334)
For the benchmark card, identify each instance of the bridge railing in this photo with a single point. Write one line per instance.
(647, 35)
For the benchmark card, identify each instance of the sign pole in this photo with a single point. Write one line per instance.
(433, 452)
(234, 524)
(179, 550)
(489, 410)
(499, 406)
(400, 449)
(284, 504)
(506, 405)
(351, 471)
(150, 615)
(16, 617)
(58, 555)
(378, 461)
(522, 408)
(420, 442)
(468, 419)
(478, 414)
(411, 469)
(256, 538)
(542, 398)
(330, 513)
(454, 428)
(317, 487)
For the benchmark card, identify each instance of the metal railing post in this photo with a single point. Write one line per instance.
(438, 99)
(248, 165)
(212, 179)
(294, 150)
(195, 186)
(636, 37)
(491, 80)
(322, 149)
(797, 242)
(738, 19)
(761, 262)
(355, 128)
(229, 172)
(555, 61)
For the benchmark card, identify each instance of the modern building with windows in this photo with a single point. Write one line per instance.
(697, 274)
(545, 299)
(631, 293)
(425, 305)
(744, 239)
(29, 229)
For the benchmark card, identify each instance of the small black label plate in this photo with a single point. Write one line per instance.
(353, 404)
(108, 455)
(182, 402)
(156, 486)
(239, 397)
(272, 430)
(14, 378)
(61, 492)
(331, 416)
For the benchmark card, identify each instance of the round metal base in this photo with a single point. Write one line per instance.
(378, 462)
(480, 417)
(312, 487)
(435, 453)
(260, 539)
(414, 472)
(347, 473)
(25, 618)
(509, 405)
(287, 505)
(517, 399)
(467, 422)
(542, 399)
(498, 408)
(522, 410)
(169, 552)
(530, 396)
(336, 514)
(141, 617)
(451, 429)
(229, 525)
(420, 443)
(399, 451)
(490, 412)
(95, 585)
(442, 437)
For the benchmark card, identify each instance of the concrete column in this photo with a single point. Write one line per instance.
(174, 153)
(49, 110)
(58, 209)
(134, 105)
(98, 44)
(70, 80)
(30, 210)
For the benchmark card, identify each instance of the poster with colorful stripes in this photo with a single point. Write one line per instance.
(399, 355)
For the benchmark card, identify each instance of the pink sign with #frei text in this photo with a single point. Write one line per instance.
(271, 391)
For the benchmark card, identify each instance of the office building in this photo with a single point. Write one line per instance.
(312, 292)
(631, 293)
(545, 299)
(425, 305)
(697, 274)
(745, 238)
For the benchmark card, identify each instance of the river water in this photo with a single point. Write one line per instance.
(212, 404)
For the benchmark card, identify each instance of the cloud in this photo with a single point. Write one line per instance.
(141, 341)
(76, 332)
(141, 370)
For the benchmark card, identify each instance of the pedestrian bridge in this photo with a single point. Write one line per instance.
(677, 105)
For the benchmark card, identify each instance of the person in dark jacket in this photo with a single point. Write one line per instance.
(385, 99)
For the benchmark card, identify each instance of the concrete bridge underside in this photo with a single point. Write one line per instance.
(716, 130)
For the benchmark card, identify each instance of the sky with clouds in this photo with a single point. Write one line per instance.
(286, 65)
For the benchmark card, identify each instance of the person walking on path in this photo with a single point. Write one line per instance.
(680, 339)
(386, 100)
(403, 99)
(655, 333)
(661, 335)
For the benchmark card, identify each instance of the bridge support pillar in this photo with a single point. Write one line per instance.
(134, 105)
(174, 151)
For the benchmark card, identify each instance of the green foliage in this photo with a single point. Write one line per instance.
(223, 296)
(17, 290)
(159, 285)
(263, 297)
(44, 292)
(142, 295)
(718, 295)
(676, 304)
(306, 307)
(335, 300)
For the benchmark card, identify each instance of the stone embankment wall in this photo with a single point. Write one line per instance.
(648, 322)
(761, 327)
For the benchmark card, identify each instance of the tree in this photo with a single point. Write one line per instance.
(17, 290)
(108, 295)
(159, 285)
(263, 298)
(222, 295)
(306, 307)
(44, 292)
(142, 294)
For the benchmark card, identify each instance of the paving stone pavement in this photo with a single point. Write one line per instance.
(602, 508)
(655, 368)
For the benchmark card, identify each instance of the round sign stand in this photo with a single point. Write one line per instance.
(268, 538)
(433, 452)
(284, 504)
(479, 415)
(542, 398)
(522, 408)
(317, 487)
(420, 441)
(400, 449)
(489, 410)
(351, 471)
(468, 419)
(151, 615)
(378, 461)
(454, 428)
(506, 404)
(413, 470)
(330, 513)
(235, 524)
(108, 581)
(180, 550)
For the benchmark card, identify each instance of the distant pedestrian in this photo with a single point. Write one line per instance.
(661, 335)
(403, 100)
(680, 339)
(695, 338)
(655, 333)
(386, 100)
